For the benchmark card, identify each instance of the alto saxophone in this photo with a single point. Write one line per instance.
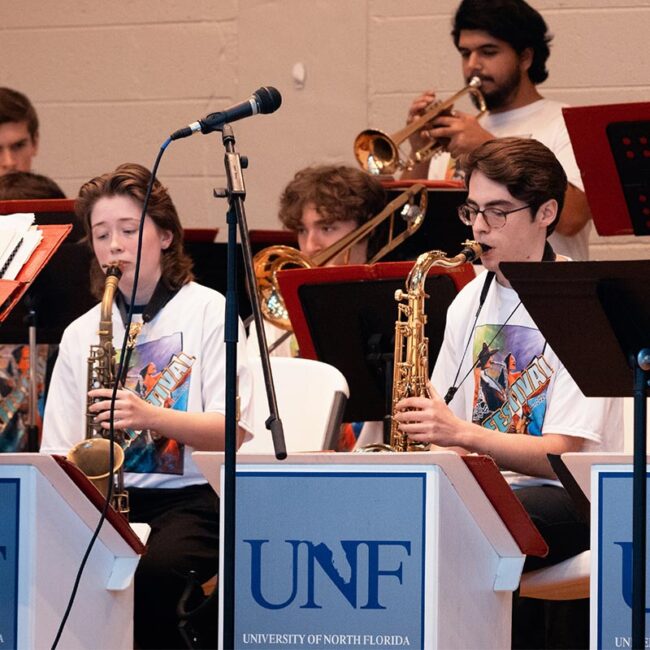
(411, 353)
(92, 455)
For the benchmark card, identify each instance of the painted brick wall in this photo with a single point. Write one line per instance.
(112, 80)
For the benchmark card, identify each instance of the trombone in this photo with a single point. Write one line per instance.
(378, 153)
(411, 205)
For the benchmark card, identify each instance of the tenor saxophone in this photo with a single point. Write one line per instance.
(411, 352)
(92, 455)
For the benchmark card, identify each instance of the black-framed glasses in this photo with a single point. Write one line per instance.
(495, 217)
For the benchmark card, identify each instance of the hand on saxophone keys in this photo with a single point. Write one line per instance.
(131, 412)
(429, 420)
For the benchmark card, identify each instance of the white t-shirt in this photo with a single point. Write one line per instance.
(543, 121)
(519, 384)
(287, 348)
(179, 362)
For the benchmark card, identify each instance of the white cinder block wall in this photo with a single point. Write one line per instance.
(111, 80)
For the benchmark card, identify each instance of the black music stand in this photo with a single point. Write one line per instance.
(59, 294)
(596, 317)
(441, 228)
(38, 282)
(356, 331)
(612, 148)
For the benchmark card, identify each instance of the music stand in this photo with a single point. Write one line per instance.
(18, 325)
(355, 333)
(441, 228)
(612, 148)
(596, 317)
(611, 144)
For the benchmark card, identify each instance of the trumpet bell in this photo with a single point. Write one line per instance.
(376, 152)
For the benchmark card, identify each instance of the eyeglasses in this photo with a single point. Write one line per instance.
(495, 217)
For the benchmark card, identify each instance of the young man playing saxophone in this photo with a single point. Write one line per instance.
(510, 395)
(505, 43)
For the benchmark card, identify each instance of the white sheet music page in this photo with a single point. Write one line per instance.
(18, 240)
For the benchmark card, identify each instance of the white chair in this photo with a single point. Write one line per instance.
(567, 580)
(311, 397)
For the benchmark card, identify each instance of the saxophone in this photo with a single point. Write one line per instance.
(411, 355)
(92, 455)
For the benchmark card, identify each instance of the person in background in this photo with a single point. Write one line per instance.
(25, 185)
(529, 405)
(505, 43)
(18, 132)
(322, 204)
(181, 408)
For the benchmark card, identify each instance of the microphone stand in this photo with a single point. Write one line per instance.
(236, 193)
(32, 426)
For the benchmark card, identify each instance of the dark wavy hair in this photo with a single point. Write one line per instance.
(529, 170)
(28, 185)
(512, 21)
(16, 107)
(131, 179)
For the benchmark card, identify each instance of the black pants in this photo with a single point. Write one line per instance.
(552, 623)
(184, 537)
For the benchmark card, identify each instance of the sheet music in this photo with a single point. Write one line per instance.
(18, 240)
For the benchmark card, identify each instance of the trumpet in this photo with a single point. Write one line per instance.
(379, 153)
(411, 205)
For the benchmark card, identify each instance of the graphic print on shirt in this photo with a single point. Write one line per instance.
(511, 379)
(160, 373)
(14, 394)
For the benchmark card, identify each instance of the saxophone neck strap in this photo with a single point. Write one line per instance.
(549, 253)
(162, 294)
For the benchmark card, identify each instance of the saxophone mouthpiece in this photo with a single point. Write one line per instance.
(472, 250)
(113, 268)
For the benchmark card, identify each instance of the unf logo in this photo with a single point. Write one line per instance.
(320, 555)
(627, 563)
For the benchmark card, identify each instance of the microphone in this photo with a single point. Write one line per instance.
(264, 100)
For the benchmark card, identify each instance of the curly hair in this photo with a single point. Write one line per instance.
(131, 179)
(529, 170)
(16, 107)
(339, 193)
(512, 21)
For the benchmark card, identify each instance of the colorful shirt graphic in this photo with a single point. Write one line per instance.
(511, 379)
(160, 373)
(14, 394)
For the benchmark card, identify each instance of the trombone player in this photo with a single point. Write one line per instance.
(505, 43)
(322, 204)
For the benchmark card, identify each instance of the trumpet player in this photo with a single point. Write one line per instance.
(497, 387)
(505, 43)
(172, 400)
